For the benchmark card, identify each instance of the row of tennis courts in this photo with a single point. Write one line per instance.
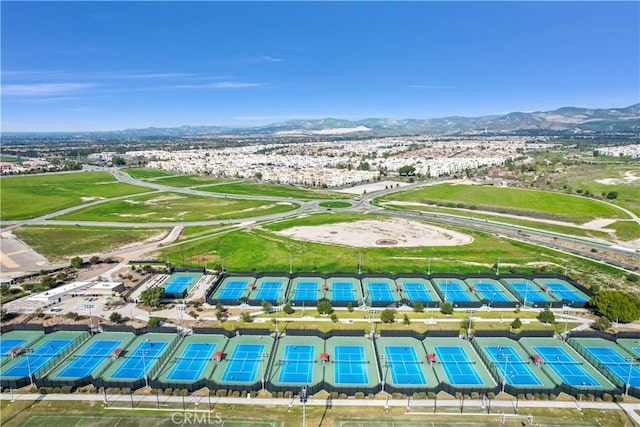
(380, 291)
(345, 364)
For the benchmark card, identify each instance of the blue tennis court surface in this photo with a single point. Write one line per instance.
(624, 370)
(244, 363)
(233, 290)
(192, 361)
(417, 291)
(513, 369)
(269, 291)
(529, 293)
(343, 291)
(565, 293)
(454, 292)
(141, 359)
(84, 363)
(569, 371)
(350, 365)
(404, 365)
(380, 291)
(306, 291)
(492, 292)
(297, 366)
(37, 358)
(178, 284)
(457, 366)
(7, 345)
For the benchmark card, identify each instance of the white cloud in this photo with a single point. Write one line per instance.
(267, 58)
(43, 89)
(219, 85)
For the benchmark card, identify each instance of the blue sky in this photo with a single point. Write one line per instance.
(115, 65)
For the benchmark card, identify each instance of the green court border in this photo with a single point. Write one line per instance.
(508, 281)
(357, 290)
(395, 295)
(487, 380)
(196, 276)
(421, 354)
(542, 281)
(280, 298)
(402, 280)
(318, 366)
(222, 285)
(437, 281)
(268, 341)
(475, 280)
(221, 342)
(369, 354)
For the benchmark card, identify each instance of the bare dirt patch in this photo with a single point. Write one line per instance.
(368, 233)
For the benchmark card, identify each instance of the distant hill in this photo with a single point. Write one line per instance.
(562, 120)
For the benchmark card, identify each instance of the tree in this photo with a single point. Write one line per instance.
(546, 316)
(602, 324)
(516, 324)
(154, 321)
(115, 317)
(72, 315)
(406, 320)
(334, 317)
(617, 305)
(246, 317)
(94, 260)
(418, 307)
(446, 308)
(47, 281)
(266, 306)
(4, 315)
(117, 161)
(350, 307)
(4, 288)
(152, 296)
(611, 195)
(407, 170)
(388, 316)
(287, 309)
(221, 312)
(324, 307)
(76, 262)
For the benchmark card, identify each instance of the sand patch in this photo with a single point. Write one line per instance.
(90, 199)
(629, 178)
(598, 224)
(375, 186)
(395, 232)
(161, 199)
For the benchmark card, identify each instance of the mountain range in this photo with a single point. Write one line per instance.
(568, 120)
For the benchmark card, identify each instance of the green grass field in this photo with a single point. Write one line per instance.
(572, 231)
(187, 180)
(335, 204)
(60, 242)
(25, 197)
(512, 200)
(70, 414)
(273, 190)
(177, 207)
(626, 230)
(143, 173)
(264, 250)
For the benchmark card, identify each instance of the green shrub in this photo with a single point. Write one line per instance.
(544, 396)
(606, 397)
(446, 308)
(520, 396)
(359, 395)
(618, 398)
(334, 394)
(590, 397)
(552, 396)
(491, 395)
(221, 393)
(288, 394)
(398, 396)
(431, 395)
(475, 395)
(66, 389)
(343, 395)
(287, 309)
(235, 393)
(168, 391)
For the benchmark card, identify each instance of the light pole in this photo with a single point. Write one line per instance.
(89, 307)
(506, 358)
(290, 264)
(628, 384)
(263, 356)
(303, 400)
(359, 263)
(144, 367)
(181, 308)
(385, 360)
(429, 266)
(26, 353)
(470, 311)
(498, 267)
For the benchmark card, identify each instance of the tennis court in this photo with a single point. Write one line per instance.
(306, 291)
(190, 364)
(233, 289)
(490, 290)
(380, 292)
(513, 369)
(140, 360)
(350, 365)
(626, 371)
(457, 366)
(83, 364)
(405, 367)
(343, 291)
(417, 291)
(36, 359)
(244, 363)
(6, 345)
(269, 290)
(454, 292)
(563, 290)
(528, 292)
(569, 370)
(297, 366)
(179, 283)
